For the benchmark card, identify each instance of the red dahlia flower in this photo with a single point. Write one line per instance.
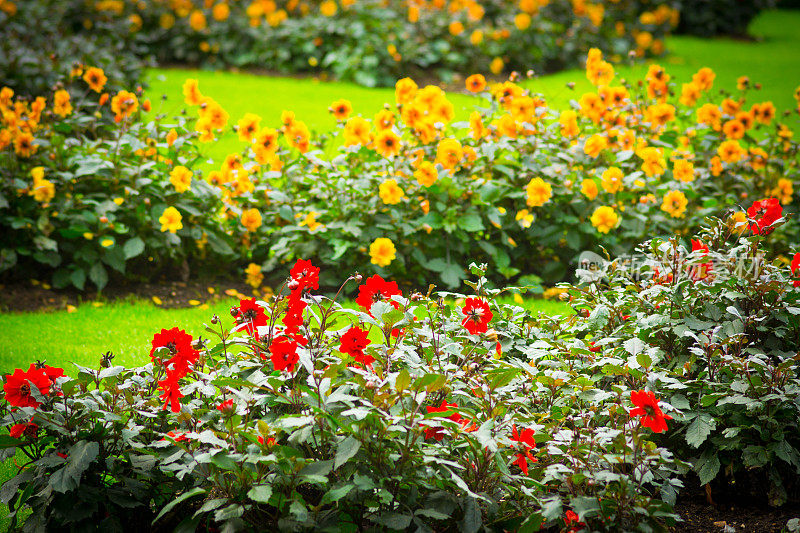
(764, 213)
(527, 443)
(30, 430)
(795, 266)
(572, 522)
(226, 406)
(647, 408)
(249, 315)
(699, 246)
(376, 289)
(283, 353)
(438, 433)
(19, 385)
(476, 316)
(293, 318)
(703, 270)
(354, 341)
(305, 275)
(171, 391)
(179, 345)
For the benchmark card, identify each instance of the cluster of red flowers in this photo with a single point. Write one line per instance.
(647, 408)
(764, 214)
(182, 356)
(476, 316)
(702, 271)
(353, 343)
(283, 350)
(20, 386)
(25, 389)
(377, 289)
(795, 266)
(573, 522)
(526, 444)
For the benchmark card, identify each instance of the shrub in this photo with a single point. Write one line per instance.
(89, 185)
(718, 324)
(519, 186)
(66, 36)
(306, 415)
(721, 17)
(374, 42)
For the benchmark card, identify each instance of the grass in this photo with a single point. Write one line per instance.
(771, 59)
(125, 328)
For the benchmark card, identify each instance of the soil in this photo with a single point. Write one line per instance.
(700, 517)
(727, 509)
(38, 296)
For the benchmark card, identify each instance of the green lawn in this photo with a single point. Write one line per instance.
(772, 60)
(124, 328)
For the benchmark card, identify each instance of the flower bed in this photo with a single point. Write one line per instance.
(520, 186)
(432, 410)
(375, 42)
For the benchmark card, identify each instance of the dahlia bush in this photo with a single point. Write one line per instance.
(519, 186)
(435, 410)
(410, 410)
(372, 42)
(715, 320)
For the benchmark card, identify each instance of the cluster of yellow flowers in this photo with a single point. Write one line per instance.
(615, 121)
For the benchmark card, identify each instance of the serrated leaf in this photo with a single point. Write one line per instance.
(346, 449)
(403, 380)
(707, 466)
(472, 516)
(699, 430)
(334, 495)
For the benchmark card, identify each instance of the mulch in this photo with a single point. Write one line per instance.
(33, 295)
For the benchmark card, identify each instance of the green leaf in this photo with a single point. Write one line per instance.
(79, 457)
(222, 460)
(395, 520)
(260, 493)
(403, 380)
(133, 248)
(634, 346)
(699, 430)
(78, 278)
(232, 511)
(98, 275)
(707, 466)
(334, 495)
(470, 222)
(219, 245)
(598, 317)
(346, 449)
(183, 497)
(437, 265)
(452, 275)
(472, 516)
(531, 524)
